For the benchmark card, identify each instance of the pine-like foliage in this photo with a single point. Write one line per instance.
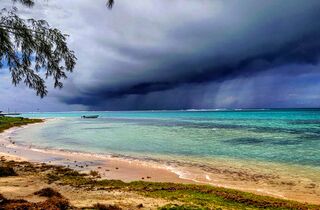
(30, 46)
(110, 3)
(33, 51)
(28, 3)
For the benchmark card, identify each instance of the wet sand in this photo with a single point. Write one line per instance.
(273, 180)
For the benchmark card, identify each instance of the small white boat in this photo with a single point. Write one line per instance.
(90, 116)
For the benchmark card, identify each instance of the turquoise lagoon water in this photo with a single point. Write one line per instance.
(279, 136)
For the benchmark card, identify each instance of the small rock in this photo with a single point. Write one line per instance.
(140, 205)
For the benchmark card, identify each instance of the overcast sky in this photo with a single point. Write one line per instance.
(180, 54)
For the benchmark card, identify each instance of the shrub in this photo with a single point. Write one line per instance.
(7, 171)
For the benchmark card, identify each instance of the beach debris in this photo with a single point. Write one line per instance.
(148, 177)
(51, 203)
(100, 206)
(7, 171)
(117, 168)
(140, 205)
(48, 192)
(94, 173)
(311, 186)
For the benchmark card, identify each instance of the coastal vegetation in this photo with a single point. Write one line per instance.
(191, 196)
(9, 122)
(178, 196)
(33, 51)
(30, 46)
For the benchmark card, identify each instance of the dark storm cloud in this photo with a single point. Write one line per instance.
(304, 51)
(275, 88)
(245, 38)
(190, 54)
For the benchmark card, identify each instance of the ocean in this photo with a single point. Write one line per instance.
(284, 136)
(285, 142)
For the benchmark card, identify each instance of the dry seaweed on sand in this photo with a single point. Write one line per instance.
(6, 171)
(49, 204)
(48, 192)
(99, 206)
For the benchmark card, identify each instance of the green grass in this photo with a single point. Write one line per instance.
(9, 122)
(188, 195)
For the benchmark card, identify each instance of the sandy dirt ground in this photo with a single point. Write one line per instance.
(24, 186)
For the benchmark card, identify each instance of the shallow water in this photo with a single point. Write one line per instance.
(277, 136)
(271, 152)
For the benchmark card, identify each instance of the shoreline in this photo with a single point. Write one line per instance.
(125, 169)
(108, 166)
